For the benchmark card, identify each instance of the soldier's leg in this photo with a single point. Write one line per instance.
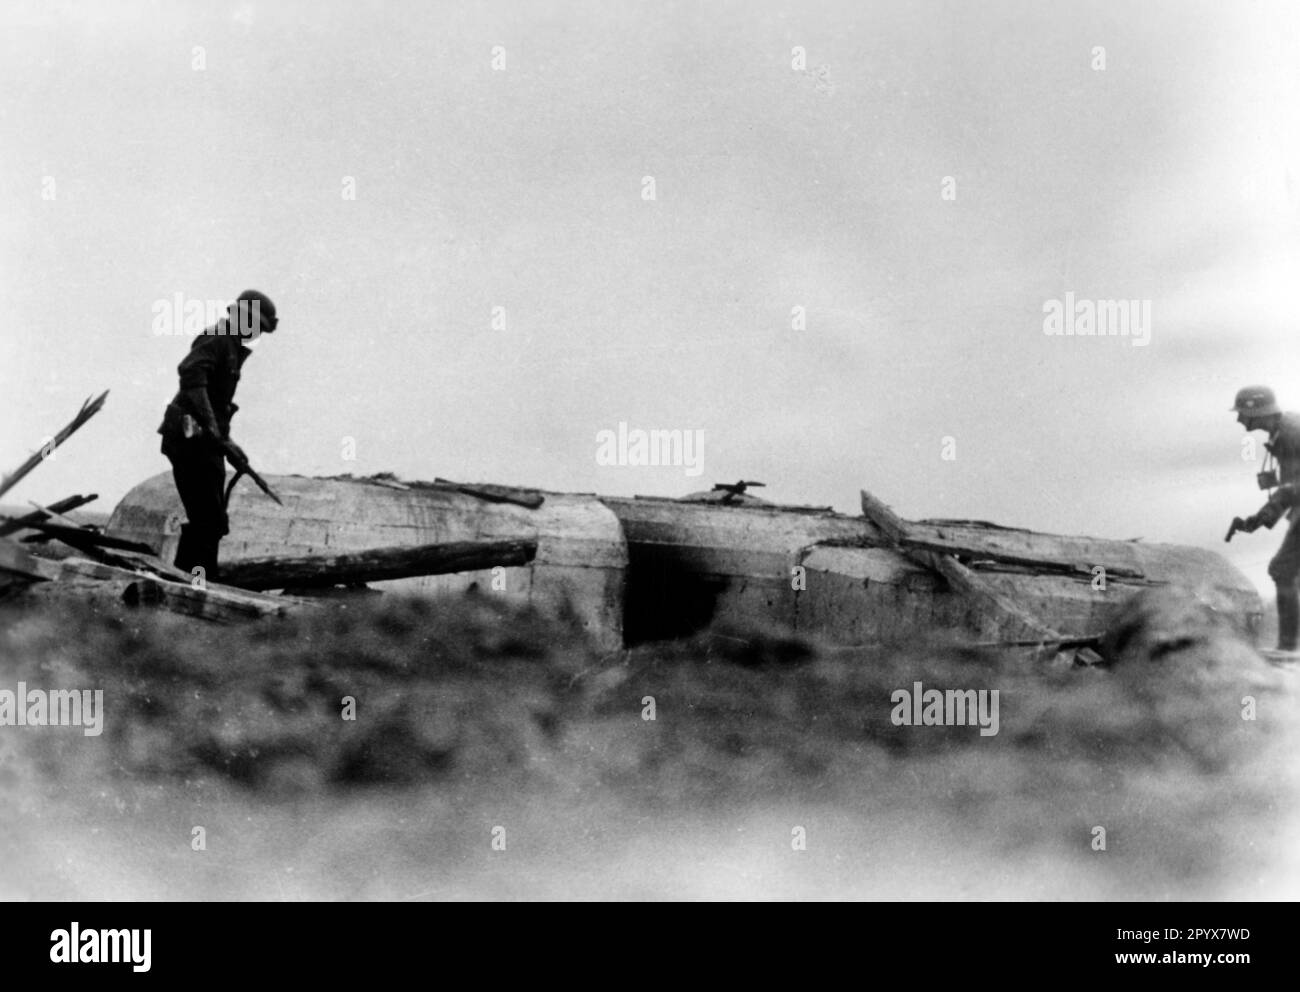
(200, 476)
(1284, 569)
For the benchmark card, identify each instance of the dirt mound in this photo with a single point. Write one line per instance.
(1165, 624)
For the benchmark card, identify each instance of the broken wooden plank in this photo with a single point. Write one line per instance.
(219, 604)
(890, 524)
(136, 567)
(1004, 612)
(136, 563)
(153, 565)
(996, 560)
(133, 562)
(376, 564)
(83, 538)
(15, 562)
(88, 409)
(86, 568)
(212, 601)
(918, 537)
(55, 517)
(66, 505)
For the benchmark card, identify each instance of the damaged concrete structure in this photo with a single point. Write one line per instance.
(580, 562)
(639, 569)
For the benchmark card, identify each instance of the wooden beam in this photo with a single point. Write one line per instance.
(131, 562)
(67, 505)
(1009, 616)
(151, 564)
(920, 537)
(84, 539)
(126, 566)
(1005, 612)
(376, 564)
(217, 603)
(88, 409)
(889, 523)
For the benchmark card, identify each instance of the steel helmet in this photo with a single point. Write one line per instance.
(265, 308)
(1258, 401)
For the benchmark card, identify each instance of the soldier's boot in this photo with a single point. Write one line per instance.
(1288, 615)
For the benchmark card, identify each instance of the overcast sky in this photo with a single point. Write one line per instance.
(203, 148)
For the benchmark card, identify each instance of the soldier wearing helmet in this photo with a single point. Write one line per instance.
(198, 419)
(1257, 410)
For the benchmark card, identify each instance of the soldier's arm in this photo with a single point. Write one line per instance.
(194, 370)
(1272, 511)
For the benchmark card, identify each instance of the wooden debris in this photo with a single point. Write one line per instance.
(923, 537)
(135, 562)
(1002, 610)
(218, 603)
(61, 506)
(153, 565)
(83, 538)
(890, 524)
(215, 602)
(84, 568)
(55, 517)
(138, 563)
(20, 565)
(376, 564)
(88, 409)
(1087, 656)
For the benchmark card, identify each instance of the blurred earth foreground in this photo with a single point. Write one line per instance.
(473, 714)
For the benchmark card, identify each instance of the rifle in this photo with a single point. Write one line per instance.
(242, 467)
(191, 427)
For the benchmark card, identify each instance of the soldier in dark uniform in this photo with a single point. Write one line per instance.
(199, 415)
(1257, 410)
